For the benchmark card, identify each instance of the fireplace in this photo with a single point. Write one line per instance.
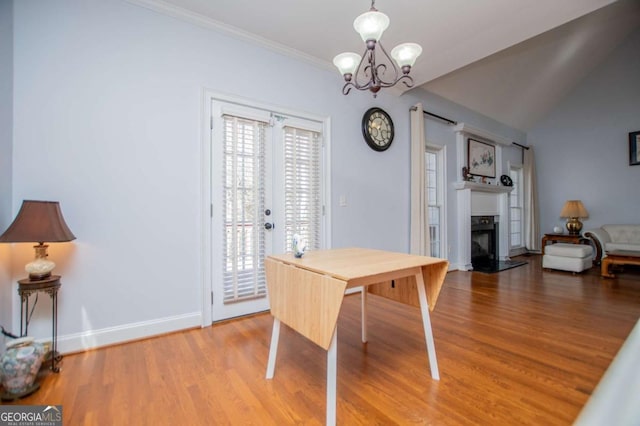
(484, 242)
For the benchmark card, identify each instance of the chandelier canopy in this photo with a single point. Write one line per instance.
(371, 73)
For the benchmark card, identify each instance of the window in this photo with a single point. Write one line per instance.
(516, 208)
(434, 163)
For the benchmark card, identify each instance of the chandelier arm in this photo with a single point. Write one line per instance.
(407, 80)
(370, 81)
(396, 72)
(347, 88)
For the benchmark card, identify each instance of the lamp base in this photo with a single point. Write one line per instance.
(574, 226)
(40, 268)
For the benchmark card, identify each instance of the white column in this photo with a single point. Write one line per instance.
(464, 229)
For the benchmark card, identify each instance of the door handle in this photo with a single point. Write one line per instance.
(269, 226)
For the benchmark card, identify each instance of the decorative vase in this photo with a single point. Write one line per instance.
(557, 229)
(19, 366)
(299, 246)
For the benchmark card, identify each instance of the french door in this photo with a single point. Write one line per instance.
(266, 187)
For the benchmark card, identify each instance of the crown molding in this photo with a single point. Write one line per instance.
(200, 20)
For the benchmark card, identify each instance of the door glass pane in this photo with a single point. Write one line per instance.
(302, 208)
(243, 201)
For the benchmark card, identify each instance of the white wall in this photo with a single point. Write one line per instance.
(582, 149)
(6, 130)
(107, 121)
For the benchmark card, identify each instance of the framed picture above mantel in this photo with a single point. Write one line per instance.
(634, 148)
(481, 158)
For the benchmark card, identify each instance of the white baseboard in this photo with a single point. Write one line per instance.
(92, 339)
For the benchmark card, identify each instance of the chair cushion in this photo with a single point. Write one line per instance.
(621, 246)
(569, 250)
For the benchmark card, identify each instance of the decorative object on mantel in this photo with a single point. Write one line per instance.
(574, 210)
(506, 180)
(19, 366)
(368, 73)
(465, 175)
(634, 148)
(38, 222)
(481, 158)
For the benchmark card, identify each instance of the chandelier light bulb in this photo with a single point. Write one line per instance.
(347, 62)
(405, 54)
(370, 25)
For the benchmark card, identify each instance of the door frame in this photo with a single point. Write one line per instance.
(206, 175)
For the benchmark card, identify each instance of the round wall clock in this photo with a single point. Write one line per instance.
(377, 129)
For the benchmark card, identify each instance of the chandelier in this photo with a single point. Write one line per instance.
(371, 73)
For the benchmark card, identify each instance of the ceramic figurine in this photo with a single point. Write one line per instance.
(299, 245)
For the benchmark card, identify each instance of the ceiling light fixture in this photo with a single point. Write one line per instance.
(366, 73)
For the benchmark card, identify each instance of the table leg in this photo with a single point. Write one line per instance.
(273, 349)
(55, 357)
(332, 373)
(426, 322)
(24, 317)
(364, 314)
(604, 268)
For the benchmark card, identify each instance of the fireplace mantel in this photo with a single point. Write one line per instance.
(481, 199)
(483, 187)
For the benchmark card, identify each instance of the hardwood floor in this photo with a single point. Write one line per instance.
(522, 347)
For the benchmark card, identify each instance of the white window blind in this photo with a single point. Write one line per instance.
(302, 153)
(243, 200)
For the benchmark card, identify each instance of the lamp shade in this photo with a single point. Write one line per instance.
(370, 25)
(347, 62)
(574, 208)
(405, 54)
(38, 222)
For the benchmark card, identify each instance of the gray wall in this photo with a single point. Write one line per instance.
(108, 95)
(582, 149)
(6, 135)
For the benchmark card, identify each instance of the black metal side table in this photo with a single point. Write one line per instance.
(26, 288)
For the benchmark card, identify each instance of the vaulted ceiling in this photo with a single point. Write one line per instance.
(511, 60)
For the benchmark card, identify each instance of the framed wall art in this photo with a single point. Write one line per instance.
(634, 148)
(481, 158)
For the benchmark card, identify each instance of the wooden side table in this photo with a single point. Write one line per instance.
(26, 288)
(563, 238)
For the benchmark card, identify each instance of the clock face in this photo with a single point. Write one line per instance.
(377, 129)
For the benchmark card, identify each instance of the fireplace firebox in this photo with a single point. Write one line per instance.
(484, 242)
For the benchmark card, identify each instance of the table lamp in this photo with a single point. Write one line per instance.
(573, 210)
(38, 222)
